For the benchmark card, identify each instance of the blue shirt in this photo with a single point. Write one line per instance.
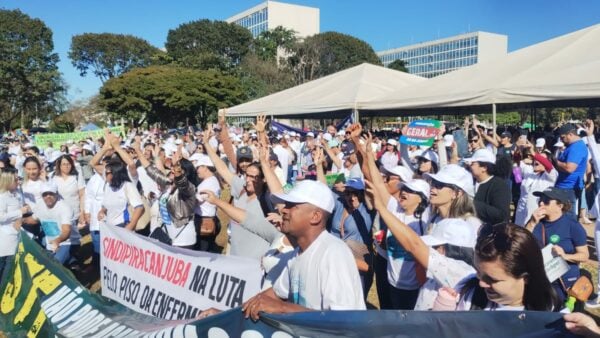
(571, 235)
(357, 226)
(577, 153)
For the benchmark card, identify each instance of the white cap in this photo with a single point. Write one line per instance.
(293, 134)
(559, 144)
(392, 142)
(178, 141)
(456, 175)
(417, 185)
(540, 142)
(401, 171)
(195, 157)
(203, 160)
(430, 155)
(310, 134)
(482, 155)
(453, 231)
(49, 186)
(448, 140)
(308, 191)
(87, 147)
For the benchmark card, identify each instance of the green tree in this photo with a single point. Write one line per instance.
(399, 65)
(269, 42)
(30, 82)
(108, 55)
(263, 77)
(169, 94)
(327, 53)
(206, 44)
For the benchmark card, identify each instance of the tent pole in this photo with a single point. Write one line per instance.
(494, 117)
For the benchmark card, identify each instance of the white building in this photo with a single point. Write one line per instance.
(270, 14)
(433, 58)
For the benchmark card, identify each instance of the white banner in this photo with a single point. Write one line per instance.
(172, 283)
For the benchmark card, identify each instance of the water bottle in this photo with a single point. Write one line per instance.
(517, 174)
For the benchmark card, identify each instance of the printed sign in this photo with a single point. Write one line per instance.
(58, 139)
(172, 283)
(421, 132)
(554, 266)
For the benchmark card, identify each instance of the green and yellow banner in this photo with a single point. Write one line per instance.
(58, 139)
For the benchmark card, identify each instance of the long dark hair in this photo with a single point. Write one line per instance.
(519, 253)
(119, 173)
(73, 171)
(190, 171)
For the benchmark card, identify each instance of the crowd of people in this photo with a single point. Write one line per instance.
(327, 213)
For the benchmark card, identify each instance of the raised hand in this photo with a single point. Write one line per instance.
(589, 127)
(260, 123)
(222, 114)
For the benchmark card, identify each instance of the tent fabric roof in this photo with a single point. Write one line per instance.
(344, 90)
(565, 68)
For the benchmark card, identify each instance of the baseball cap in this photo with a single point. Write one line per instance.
(553, 193)
(244, 152)
(49, 186)
(506, 134)
(401, 171)
(355, 184)
(455, 175)
(482, 155)
(417, 185)
(310, 134)
(348, 148)
(429, 155)
(540, 142)
(392, 142)
(308, 191)
(88, 147)
(567, 128)
(559, 144)
(202, 160)
(453, 231)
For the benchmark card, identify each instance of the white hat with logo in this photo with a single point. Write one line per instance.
(308, 191)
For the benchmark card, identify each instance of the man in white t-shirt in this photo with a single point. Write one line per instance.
(56, 219)
(322, 275)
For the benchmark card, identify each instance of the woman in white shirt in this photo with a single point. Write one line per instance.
(11, 211)
(205, 219)
(33, 178)
(71, 186)
(119, 192)
(538, 174)
(511, 273)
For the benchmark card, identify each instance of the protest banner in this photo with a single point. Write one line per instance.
(172, 283)
(58, 139)
(421, 132)
(40, 298)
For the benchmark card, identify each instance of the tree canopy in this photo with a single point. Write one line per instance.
(30, 82)
(327, 53)
(206, 44)
(399, 65)
(267, 43)
(170, 94)
(108, 55)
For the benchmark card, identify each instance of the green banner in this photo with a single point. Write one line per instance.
(58, 139)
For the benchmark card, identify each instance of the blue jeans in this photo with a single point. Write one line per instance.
(65, 254)
(95, 241)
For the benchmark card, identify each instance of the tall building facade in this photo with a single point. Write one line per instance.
(433, 58)
(270, 14)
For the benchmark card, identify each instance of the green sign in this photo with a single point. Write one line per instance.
(58, 139)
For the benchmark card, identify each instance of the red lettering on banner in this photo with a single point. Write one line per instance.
(174, 270)
(422, 132)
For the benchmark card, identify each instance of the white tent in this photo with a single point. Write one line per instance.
(342, 91)
(564, 69)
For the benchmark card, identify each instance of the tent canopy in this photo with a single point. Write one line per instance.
(339, 92)
(561, 71)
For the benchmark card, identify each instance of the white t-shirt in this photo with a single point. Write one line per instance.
(204, 208)
(401, 264)
(32, 191)
(52, 220)
(441, 271)
(10, 212)
(116, 200)
(68, 189)
(184, 235)
(94, 194)
(324, 277)
(284, 157)
(148, 184)
(389, 159)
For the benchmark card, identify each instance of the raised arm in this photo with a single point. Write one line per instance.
(376, 178)
(220, 166)
(270, 177)
(319, 160)
(225, 140)
(336, 160)
(116, 144)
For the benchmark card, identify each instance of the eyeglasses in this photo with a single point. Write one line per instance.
(46, 194)
(474, 141)
(252, 177)
(390, 178)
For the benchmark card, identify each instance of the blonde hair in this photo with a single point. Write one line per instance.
(6, 180)
(462, 207)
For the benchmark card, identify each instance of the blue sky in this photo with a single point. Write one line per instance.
(383, 24)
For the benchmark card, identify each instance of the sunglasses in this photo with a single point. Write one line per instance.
(545, 199)
(536, 163)
(441, 185)
(474, 141)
